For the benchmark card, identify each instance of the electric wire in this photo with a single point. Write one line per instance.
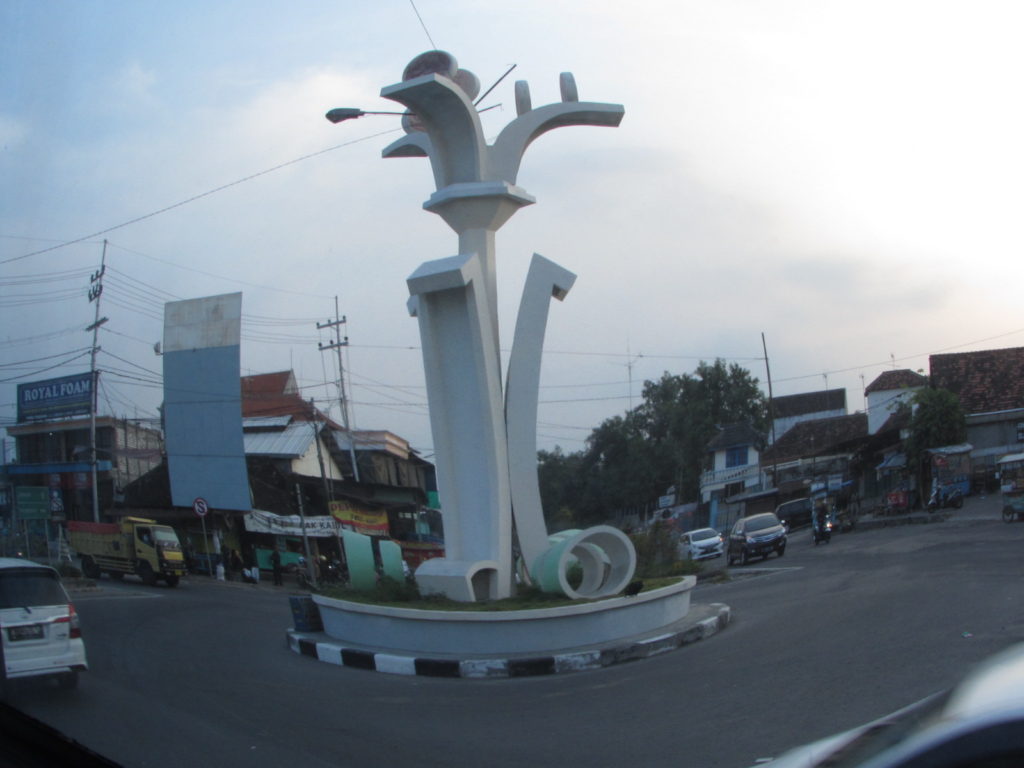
(192, 199)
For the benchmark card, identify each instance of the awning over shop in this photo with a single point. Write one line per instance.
(952, 450)
(895, 460)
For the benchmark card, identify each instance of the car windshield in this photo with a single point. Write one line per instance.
(761, 522)
(166, 538)
(30, 586)
(707, 533)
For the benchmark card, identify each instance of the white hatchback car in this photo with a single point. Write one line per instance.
(39, 631)
(701, 544)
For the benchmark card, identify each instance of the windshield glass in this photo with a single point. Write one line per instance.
(707, 533)
(166, 539)
(761, 522)
(19, 588)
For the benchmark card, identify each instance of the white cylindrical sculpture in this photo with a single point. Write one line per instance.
(605, 554)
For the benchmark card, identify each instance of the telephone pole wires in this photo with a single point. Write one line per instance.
(337, 344)
(95, 291)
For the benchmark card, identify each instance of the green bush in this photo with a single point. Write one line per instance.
(657, 552)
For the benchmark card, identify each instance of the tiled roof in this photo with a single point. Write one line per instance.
(987, 381)
(809, 402)
(901, 379)
(733, 435)
(279, 383)
(817, 437)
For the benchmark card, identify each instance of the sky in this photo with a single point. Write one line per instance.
(844, 178)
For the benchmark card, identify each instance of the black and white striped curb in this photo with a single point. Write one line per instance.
(312, 644)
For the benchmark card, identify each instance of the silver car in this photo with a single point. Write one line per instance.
(701, 544)
(39, 630)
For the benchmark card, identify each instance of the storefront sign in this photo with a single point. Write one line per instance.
(372, 522)
(259, 521)
(55, 398)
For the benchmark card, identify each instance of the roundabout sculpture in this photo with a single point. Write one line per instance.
(484, 431)
(485, 442)
(485, 434)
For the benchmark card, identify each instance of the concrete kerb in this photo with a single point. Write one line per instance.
(702, 622)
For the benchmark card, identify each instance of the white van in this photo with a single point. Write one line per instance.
(39, 632)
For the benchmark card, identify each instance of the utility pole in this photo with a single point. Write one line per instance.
(337, 344)
(310, 570)
(95, 291)
(771, 408)
(328, 494)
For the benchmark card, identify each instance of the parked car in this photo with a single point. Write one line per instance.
(701, 544)
(39, 628)
(795, 513)
(756, 535)
(979, 723)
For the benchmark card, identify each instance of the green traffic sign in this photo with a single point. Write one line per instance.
(32, 503)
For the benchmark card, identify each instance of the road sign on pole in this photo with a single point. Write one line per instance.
(200, 507)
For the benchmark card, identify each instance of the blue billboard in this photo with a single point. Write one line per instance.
(55, 398)
(203, 402)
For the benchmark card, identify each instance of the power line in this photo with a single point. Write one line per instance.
(48, 368)
(425, 30)
(192, 199)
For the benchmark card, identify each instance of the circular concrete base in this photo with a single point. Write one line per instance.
(414, 632)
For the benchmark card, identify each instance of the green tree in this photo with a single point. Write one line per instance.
(937, 419)
(630, 460)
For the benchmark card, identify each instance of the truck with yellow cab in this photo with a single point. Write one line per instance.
(134, 546)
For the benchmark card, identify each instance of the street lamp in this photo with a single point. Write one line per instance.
(338, 114)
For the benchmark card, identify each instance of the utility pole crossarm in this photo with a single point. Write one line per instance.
(337, 343)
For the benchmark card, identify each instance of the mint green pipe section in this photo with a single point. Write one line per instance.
(391, 558)
(359, 555)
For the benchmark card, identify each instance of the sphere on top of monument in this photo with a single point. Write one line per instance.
(444, 64)
(431, 62)
(437, 63)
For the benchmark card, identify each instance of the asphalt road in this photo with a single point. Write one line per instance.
(823, 639)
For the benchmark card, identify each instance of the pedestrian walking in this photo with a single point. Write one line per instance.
(252, 565)
(236, 562)
(275, 565)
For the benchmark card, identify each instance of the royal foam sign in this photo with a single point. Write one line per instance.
(55, 398)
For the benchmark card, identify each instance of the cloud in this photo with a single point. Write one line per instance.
(12, 132)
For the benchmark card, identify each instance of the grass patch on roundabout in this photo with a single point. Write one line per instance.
(397, 594)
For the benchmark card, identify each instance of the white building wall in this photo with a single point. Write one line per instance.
(882, 405)
(783, 425)
(309, 464)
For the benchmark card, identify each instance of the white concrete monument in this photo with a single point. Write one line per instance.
(485, 438)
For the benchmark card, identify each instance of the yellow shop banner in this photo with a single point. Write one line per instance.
(368, 521)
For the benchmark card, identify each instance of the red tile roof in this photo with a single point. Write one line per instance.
(282, 382)
(276, 394)
(818, 437)
(901, 379)
(986, 381)
(809, 402)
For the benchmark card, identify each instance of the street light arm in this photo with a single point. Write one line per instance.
(507, 152)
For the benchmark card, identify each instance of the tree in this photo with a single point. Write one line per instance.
(630, 460)
(937, 419)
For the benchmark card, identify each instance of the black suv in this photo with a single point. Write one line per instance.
(756, 535)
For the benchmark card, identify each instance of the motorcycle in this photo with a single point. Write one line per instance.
(945, 497)
(822, 531)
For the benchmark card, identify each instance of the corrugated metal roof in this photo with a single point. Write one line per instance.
(291, 442)
(265, 422)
